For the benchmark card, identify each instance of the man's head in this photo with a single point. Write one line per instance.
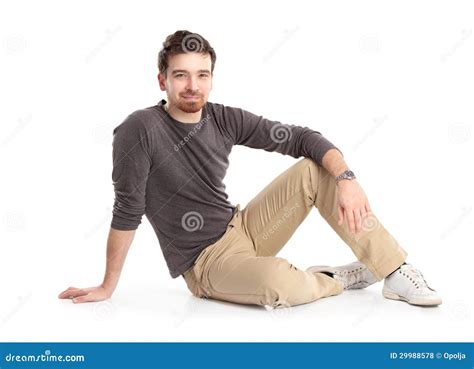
(186, 63)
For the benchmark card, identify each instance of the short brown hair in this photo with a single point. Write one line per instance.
(182, 42)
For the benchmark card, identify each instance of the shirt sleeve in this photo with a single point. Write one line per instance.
(131, 156)
(257, 132)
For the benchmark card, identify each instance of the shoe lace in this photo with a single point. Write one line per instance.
(351, 277)
(415, 276)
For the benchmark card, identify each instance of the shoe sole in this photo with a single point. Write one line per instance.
(393, 296)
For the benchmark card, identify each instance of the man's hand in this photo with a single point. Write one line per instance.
(118, 244)
(90, 294)
(353, 205)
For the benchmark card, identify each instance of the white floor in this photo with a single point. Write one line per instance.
(164, 313)
(150, 306)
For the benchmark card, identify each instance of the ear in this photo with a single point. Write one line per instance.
(161, 81)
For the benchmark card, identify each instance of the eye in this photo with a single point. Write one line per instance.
(203, 75)
(179, 75)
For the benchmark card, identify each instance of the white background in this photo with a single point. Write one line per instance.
(391, 84)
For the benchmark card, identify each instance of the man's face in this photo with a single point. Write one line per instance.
(188, 81)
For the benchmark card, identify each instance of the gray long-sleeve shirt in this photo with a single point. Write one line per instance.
(173, 172)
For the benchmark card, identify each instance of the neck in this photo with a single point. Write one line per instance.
(182, 116)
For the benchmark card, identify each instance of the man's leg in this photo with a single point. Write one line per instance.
(271, 218)
(230, 270)
(242, 266)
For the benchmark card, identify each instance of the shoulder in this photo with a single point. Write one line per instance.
(223, 113)
(139, 120)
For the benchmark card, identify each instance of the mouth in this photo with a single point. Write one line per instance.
(191, 97)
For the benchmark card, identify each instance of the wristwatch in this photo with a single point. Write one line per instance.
(347, 174)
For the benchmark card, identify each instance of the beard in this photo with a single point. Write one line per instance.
(191, 106)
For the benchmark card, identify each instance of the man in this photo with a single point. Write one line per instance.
(169, 161)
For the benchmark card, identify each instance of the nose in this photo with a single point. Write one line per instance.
(192, 84)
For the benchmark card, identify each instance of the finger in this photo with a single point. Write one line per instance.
(341, 215)
(357, 220)
(83, 298)
(367, 207)
(66, 292)
(80, 293)
(74, 293)
(350, 220)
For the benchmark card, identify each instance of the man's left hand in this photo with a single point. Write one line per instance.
(353, 205)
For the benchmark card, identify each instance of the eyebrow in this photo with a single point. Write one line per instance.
(185, 71)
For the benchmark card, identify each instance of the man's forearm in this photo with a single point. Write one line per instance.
(334, 163)
(118, 244)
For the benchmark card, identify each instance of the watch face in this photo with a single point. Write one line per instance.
(348, 174)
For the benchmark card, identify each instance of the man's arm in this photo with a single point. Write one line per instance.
(334, 163)
(118, 244)
(131, 155)
(248, 129)
(353, 205)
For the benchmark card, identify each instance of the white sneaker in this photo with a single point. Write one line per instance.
(351, 276)
(407, 284)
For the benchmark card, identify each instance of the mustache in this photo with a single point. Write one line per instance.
(191, 94)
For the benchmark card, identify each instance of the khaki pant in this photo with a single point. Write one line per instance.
(241, 266)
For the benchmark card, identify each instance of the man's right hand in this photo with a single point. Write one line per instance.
(118, 244)
(90, 294)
